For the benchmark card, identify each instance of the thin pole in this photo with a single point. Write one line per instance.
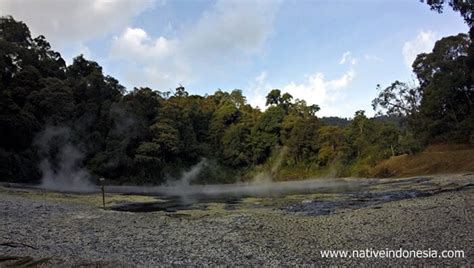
(102, 180)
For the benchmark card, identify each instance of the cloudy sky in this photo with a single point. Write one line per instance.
(330, 53)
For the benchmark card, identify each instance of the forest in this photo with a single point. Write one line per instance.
(74, 120)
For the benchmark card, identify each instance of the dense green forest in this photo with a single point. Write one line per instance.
(59, 120)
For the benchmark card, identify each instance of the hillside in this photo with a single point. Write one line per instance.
(435, 159)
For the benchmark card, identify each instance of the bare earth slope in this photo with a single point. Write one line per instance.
(435, 159)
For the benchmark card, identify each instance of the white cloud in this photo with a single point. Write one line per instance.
(321, 91)
(317, 89)
(424, 42)
(230, 33)
(259, 89)
(232, 27)
(63, 22)
(347, 58)
(134, 43)
(370, 57)
(148, 61)
(262, 78)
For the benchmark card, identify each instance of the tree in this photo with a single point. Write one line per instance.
(302, 141)
(270, 121)
(332, 144)
(54, 103)
(447, 85)
(273, 97)
(399, 99)
(238, 98)
(237, 149)
(181, 92)
(147, 136)
(449, 53)
(300, 108)
(25, 64)
(464, 7)
(440, 108)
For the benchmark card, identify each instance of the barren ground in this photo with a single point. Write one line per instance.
(43, 228)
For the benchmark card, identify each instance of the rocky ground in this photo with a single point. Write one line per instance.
(52, 229)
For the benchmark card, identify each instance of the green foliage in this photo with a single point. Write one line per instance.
(440, 109)
(237, 149)
(270, 121)
(332, 144)
(398, 99)
(465, 8)
(145, 136)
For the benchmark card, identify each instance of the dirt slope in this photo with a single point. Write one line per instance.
(436, 159)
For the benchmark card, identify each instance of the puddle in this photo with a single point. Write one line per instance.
(177, 203)
(173, 199)
(311, 197)
(352, 201)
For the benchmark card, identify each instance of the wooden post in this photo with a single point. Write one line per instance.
(102, 181)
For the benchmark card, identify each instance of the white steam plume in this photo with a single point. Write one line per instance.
(61, 162)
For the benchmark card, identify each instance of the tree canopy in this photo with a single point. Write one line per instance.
(56, 115)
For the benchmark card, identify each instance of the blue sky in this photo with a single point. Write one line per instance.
(331, 53)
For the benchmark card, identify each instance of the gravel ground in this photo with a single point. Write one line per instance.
(71, 230)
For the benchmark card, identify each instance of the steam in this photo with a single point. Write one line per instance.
(61, 162)
(125, 124)
(191, 192)
(281, 155)
(126, 127)
(188, 176)
(261, 186)
(267, 177)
